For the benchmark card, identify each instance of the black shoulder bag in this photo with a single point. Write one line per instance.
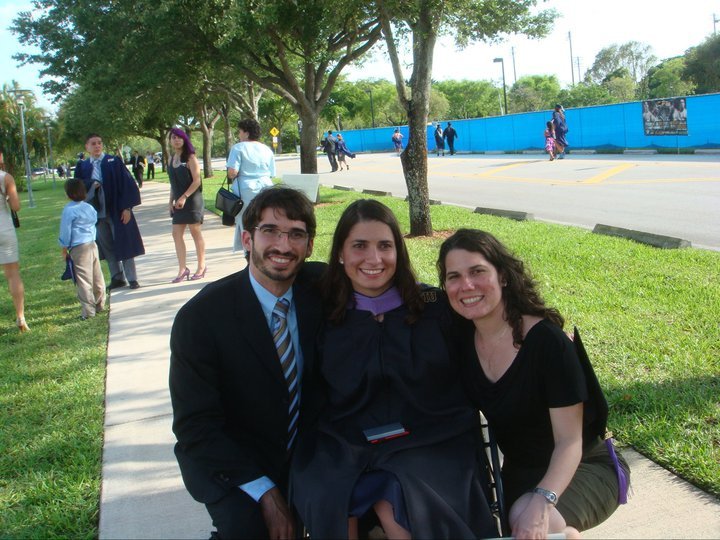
(228, 203)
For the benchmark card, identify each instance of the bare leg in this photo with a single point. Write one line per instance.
(196, 233)
(393, 530)
(353, 528)
(17, 291)
(178, 231)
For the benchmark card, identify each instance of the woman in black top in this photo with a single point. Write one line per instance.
(523, 372)
(186, 203)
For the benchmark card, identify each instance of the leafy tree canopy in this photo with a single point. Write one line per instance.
(702, 65)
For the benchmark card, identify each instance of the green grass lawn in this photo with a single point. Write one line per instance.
(649, 318)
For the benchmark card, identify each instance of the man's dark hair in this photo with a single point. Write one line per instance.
(75, 189)
(329, 131)
(91, 135)
(292, 202)
(251, 127)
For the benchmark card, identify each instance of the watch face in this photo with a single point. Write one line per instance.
(550, 496)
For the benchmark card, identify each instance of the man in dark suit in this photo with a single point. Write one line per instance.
(450, 135)
(113, 193)
(137, 164)
(330, 147)
(234, 411)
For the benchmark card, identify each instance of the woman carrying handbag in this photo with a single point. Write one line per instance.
(9, 254)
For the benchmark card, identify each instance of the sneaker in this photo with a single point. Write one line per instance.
(134, 285)
(117, 283)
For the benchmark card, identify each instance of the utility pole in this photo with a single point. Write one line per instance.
(715, 21)
(20, 100)
(572, 70)
(51, 164)
(512, 50)
(502, 65)
(577, 60)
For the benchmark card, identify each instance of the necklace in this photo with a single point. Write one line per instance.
(493, 366)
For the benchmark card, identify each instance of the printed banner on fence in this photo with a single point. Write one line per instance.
(665, 117)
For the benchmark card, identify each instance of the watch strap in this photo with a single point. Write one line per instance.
(550, 496)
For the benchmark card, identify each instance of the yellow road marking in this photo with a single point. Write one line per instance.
(609, 173)
(499, 169)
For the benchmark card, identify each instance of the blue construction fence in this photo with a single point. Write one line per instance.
(600, 127)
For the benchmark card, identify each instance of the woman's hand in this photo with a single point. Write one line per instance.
(180, 203)
(534, 520)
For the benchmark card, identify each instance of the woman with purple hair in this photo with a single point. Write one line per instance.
(186, 204)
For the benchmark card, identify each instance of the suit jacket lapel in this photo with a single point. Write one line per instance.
(252, 324)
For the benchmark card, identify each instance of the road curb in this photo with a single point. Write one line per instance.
(657, 240)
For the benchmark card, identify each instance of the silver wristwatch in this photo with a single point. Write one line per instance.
(550, 496)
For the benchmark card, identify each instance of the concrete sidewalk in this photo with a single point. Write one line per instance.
(142, 492)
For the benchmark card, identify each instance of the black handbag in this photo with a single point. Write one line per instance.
(69, 272)
(227, 202)
(15, 219)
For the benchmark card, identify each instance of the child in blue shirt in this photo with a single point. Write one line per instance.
(77, 238)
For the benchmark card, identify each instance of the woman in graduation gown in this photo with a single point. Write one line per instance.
(395, 433)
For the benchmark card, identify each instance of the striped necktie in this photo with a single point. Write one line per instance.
(96, 174)
(283, 344)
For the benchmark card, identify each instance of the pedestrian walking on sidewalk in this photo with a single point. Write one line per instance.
(439, 141)
(77, 238)
(9, 253)
(550, 139)
(397, 138)
(450, 135)
(342, 151)
(561, 131)
(150, 159)
(186, 204)
(238, 351)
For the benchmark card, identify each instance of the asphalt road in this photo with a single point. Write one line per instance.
(675, 196)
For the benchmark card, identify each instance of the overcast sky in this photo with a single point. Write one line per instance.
(670, 28)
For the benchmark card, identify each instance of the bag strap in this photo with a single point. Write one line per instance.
(597, 404)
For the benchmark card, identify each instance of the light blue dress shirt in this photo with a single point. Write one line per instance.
(77, 224)
(257, 488)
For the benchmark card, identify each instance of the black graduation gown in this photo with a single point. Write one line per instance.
(376, 373)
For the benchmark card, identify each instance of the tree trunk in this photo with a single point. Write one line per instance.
(227, 130)
(414, 164)
(207, 133)
(308, 144)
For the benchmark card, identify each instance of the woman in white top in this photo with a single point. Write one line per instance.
(9, 255)
(252, 165)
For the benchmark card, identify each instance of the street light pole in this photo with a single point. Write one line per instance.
(19, 98)
(51, 165)
(372, 108)
(502, 65)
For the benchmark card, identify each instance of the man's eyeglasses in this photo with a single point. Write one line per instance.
(270, 233)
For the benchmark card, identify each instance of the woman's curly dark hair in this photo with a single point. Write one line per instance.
(251, 127)
(519, 294)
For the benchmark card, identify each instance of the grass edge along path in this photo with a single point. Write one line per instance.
(649, 319)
